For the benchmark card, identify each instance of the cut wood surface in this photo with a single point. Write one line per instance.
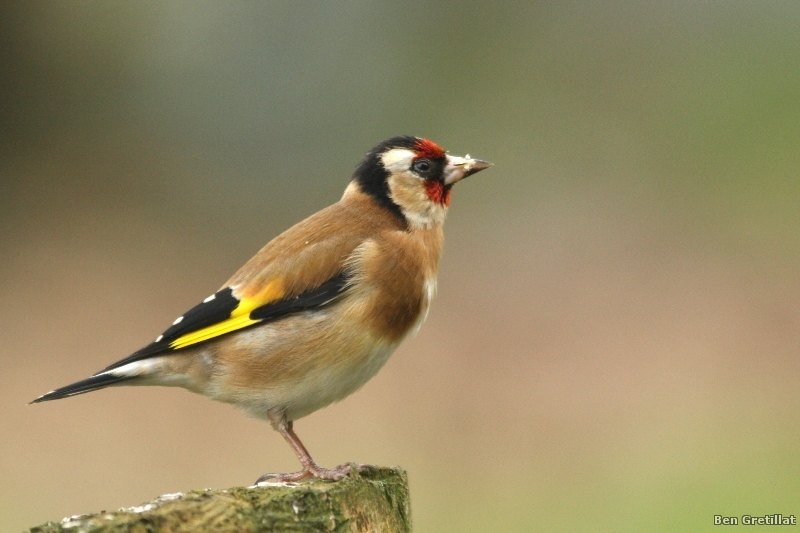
(372, 500)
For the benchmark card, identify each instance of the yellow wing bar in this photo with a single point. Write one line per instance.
(239, 318)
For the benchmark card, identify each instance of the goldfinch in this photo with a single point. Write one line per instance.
(317, 311)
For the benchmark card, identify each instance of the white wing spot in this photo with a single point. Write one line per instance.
(159, 338)
(209, 298)
(177, 321)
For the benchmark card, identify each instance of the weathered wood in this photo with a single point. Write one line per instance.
(370, 501)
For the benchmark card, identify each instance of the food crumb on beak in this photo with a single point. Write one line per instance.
(468, 163)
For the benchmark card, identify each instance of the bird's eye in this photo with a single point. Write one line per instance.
(423, 165)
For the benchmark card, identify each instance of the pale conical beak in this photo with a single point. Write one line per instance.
(458, 168)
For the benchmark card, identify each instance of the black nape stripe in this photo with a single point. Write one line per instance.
(372, 177)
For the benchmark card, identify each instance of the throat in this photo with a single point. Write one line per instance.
(422, 202)
(437, 192)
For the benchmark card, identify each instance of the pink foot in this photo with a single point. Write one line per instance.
(315, 471)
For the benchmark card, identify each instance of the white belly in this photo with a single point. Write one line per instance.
(327, 385)
(298, 366)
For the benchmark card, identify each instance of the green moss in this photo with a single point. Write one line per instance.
(373, 500)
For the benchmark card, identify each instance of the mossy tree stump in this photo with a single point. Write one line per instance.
(370, 501)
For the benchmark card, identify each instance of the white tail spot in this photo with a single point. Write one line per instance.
(177, 321)
(137, 368)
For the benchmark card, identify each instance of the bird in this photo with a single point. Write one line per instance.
(320, 308)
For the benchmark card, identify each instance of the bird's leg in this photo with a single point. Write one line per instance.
(310, 467)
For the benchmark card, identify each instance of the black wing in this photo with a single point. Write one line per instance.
(220, 307)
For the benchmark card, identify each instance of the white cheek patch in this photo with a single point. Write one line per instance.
(407, 191)
(397, 160)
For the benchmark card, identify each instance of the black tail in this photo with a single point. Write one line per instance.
(100, 381)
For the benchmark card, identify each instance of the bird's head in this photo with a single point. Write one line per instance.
(412, 177)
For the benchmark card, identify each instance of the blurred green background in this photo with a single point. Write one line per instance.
(614, 346)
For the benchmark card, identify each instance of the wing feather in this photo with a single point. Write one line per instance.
(303, 268)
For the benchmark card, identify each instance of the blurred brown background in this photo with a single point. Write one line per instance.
(615, 342)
